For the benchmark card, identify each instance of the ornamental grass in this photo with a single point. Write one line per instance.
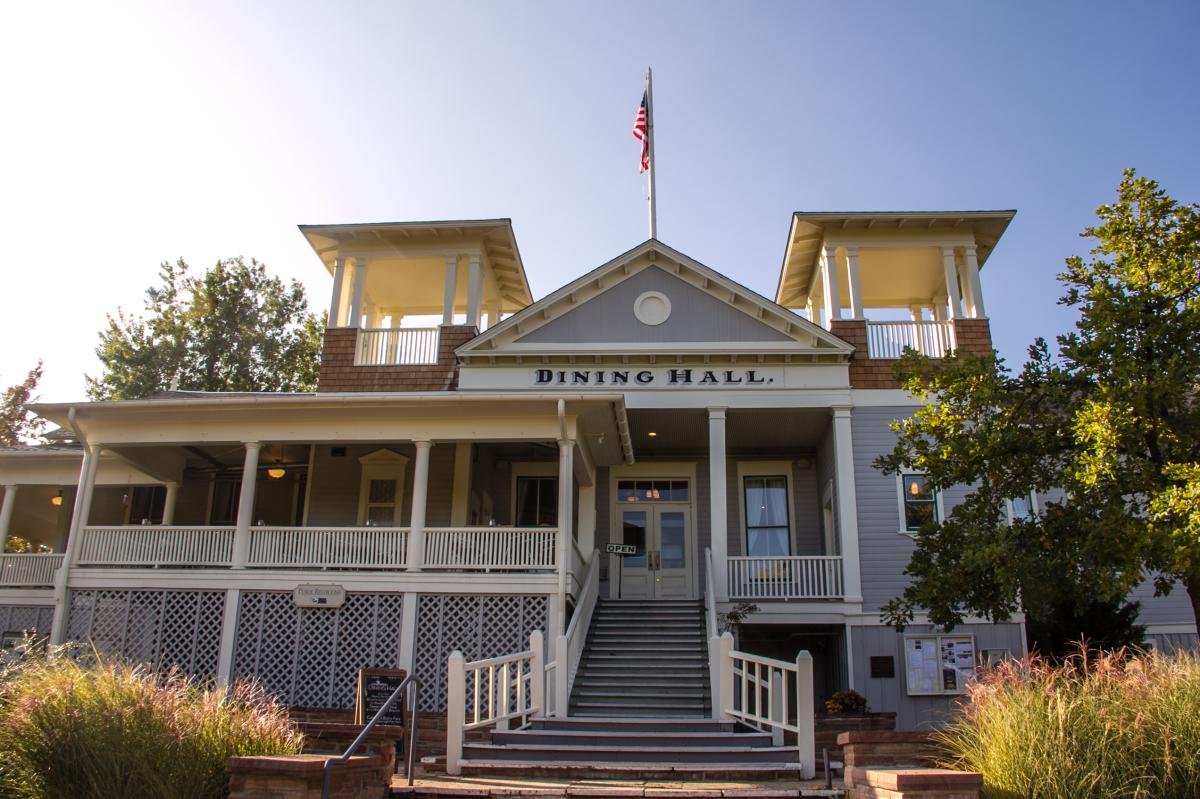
(1100, 726)
(87, 728)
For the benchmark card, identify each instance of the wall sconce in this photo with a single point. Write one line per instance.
(275, 472)
(57, 498)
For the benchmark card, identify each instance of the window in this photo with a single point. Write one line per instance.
(766, 502)
(225, 496)
(146, 504)
(1022, 509)
(938, 664)
(652, 491)
(381, 488)
(381, 502)
(919, 502)
(537, 502)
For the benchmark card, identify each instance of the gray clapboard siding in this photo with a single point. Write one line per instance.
(695, 316)
(891, 693)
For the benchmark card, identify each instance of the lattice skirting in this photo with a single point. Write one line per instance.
(310, 657)
(163, 628)
(34, 619)
(478, 626)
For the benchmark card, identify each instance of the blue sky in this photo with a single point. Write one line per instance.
(137, 133)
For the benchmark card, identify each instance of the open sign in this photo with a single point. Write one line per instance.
(620, 549)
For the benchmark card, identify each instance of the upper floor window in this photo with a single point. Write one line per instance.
(1022, 508)
(766, 503)
(919, 502)
(537, 502)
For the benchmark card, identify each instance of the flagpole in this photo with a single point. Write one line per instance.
(653, 196)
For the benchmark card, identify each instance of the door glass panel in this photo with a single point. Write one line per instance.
(634, 532)
(674, 542)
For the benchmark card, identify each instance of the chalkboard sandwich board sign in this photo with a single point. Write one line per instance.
(374, 688)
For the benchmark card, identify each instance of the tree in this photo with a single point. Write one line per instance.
(1108, 434)
(17, 424)
(234, 328)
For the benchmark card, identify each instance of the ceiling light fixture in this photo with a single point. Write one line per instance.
(57, 498)
(652, 434)
(275, 472)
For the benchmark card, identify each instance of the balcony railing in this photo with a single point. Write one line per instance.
(793, 577)
(889, 339)
(351, 548)
(328, 547)
(488, 548)
(156, 545)
(396, 346)
(34, 570)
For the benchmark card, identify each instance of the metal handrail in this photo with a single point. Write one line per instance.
(326, 775)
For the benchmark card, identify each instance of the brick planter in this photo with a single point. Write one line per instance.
(300, 777)
(901, 765)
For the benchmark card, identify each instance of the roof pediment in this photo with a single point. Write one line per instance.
(654, 300)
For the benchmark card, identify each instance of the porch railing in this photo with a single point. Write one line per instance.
(328, 547)
(759, 691)
(396, 346)
(568, 648)
(490, 548)
(156, 545)
(889, 339)
(32, 570)
(492, 691)
(793, 577)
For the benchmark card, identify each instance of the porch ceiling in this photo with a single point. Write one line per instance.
(781, 431)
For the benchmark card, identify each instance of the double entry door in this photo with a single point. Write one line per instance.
(662, 565)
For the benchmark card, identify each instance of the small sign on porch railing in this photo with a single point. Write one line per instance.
(307, 595)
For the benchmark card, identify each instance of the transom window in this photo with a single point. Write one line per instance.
(652, 491)
(537, 502)
(767, 528)
(920, 502)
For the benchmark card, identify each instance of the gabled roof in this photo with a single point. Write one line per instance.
(797, 335)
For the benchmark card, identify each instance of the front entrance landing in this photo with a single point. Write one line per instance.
(433, 785)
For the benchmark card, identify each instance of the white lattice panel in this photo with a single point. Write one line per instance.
(310, 657)
(163, 628)
(479, 626)
(25, 618)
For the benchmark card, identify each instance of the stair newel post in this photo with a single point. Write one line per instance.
(537, 676)
(777, 693)
(806, 740)
(725, 656)
(456, 710)
(562, 676)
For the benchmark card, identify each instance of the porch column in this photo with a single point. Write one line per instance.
(939, 309)
(356, 301)
(79, 519)
(494, 313)
(245, 516)
(971, 270)
(169, 503)
(587, 520)
(566, 494)
(717, 501)
(810, 308)
(420, 500)
(847, 504)
(833, 300)
(856, 300)
(951, 270)
(474, 290)
(335, 305)
(450, 290)
(6, 512)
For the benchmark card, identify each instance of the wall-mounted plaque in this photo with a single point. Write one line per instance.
(319, 596)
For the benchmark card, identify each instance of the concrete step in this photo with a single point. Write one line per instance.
(586, 737)
(679, 772)
(626, 693)
(697, 680)
(646, 709)
(635, 726)
(709, 755)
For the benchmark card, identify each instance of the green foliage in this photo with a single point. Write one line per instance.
(17, 424)
(846, 702)
(1055, 631)
(1110, 432)
(1097, 727)
(23, 546)
(103, 729)
(234, 328)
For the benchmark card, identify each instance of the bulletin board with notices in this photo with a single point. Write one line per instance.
(939, 664)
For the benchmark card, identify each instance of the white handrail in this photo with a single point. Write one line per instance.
(568, 648)
(396, 346)
(29, 569)
(710, 594)
(328, 547)
(490, 548)
(786, 577)
(156, 545)
(714, 640)
(755, 690)
(890, 339)
(502, 688)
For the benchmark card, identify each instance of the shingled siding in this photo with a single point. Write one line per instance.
(338, 372)
(971, 335)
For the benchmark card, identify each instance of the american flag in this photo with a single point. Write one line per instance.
(639, 133)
